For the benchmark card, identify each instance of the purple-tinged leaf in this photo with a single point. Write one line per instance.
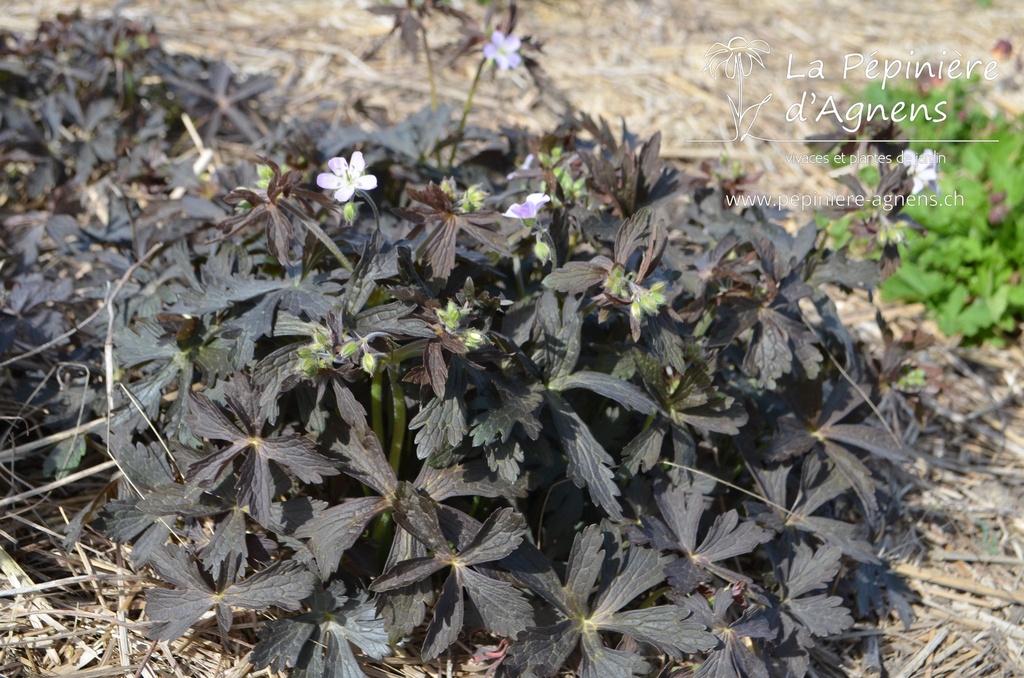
(472, 479)
(418, 515)
(283, 585)
(519, 405)
(723, 415)
(318, 643)
(619, 390)
(589, 464)
(404, 609)
(729, 538)
(436, 368)
(823, 615)
(808, 570)
(682, 511)
(600, 661)
(209, 421)
(846, 537)
(685, 576)
(869, 438)
(576, 277)
(443, 426)
(281, 642)
(644, 569)
(226, 550)
(175, 611)
(667, 627)
(561, 330)
(793, 439)
(585, 561)
(408, 572)
(499, 536)
(364, 460)
(299, 456)
(335, 530)
(856, 472)
(446, 623)
(502, 608)
(542, 651)
(643, 452)
(244, 400)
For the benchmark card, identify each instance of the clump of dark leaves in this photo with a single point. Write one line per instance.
(441, 436)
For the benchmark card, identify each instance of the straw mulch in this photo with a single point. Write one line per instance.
(958, 533)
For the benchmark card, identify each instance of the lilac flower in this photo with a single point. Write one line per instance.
(504, 50)
(923, 169)
(347, 177)
(528, 209)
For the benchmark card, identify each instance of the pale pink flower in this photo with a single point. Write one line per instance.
(347, 177)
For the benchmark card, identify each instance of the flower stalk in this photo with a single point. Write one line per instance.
(465, 112)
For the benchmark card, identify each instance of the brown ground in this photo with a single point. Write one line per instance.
(960, 537)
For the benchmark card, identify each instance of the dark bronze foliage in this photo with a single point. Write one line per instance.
(420, 419)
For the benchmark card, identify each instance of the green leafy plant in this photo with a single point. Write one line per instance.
(967, 265)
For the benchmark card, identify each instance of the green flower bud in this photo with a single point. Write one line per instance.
(321, 341)
(474, 339)
(891, 233)
(653, 299)
(265, 174)
(542, 251)
(616, 283)
(349, 212)
(912, 379)
(309, 362)
(472, 199)
(348, 349)
(369, 363)
(448, 187)
(451, 316)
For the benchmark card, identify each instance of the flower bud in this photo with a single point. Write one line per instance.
(474, 339)
(349, 212)
(348, 349)
(308, 362)
(448, 187)
(369, 363)
(451, 316)
(472, 199)
(265, 173)
(542, 251)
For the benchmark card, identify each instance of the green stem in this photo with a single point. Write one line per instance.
(398, 418)
(517, 267)
(373, 206)
(377, 404)
(382, 531)
(413, 349)
(465, 111)
(652, 598)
